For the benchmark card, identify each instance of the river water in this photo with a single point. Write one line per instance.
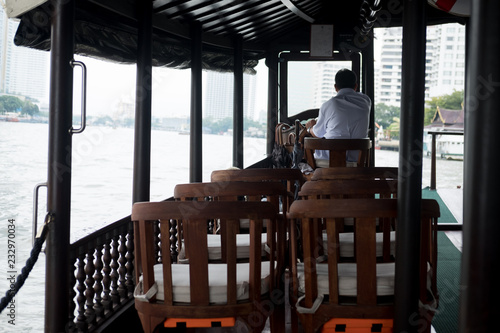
(102, 190)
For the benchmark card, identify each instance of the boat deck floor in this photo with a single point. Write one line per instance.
(453, 199)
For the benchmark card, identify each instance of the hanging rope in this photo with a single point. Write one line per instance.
(37, 247)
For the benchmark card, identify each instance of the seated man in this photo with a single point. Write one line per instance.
(344, 116)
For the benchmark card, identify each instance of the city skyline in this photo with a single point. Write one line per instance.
(445, 62)
(23, 71)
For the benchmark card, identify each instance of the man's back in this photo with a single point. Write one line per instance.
(345, 116)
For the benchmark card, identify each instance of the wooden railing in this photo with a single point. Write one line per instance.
(103, 279)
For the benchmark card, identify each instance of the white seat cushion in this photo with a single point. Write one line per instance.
(346, 240)
(325, 163)
(242, 246)
(347, 279)
(217, 277)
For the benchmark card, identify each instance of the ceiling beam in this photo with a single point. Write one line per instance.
(297, 11)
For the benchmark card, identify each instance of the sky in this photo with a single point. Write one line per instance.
(108, 83)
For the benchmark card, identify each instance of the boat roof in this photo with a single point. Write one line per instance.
(107, 29)
(450, 119)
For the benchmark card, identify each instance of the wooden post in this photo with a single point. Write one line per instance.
(479, 290)
(196, 141)
(57, 270)
(406, 314)
(142, 139)
(238, 112)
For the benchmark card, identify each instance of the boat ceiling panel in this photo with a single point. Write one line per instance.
(108, 28)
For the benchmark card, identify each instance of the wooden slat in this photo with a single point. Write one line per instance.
(337, 150)
(279, 228)
(366, 263)
(355, 173)
(385, 188)
(386, 226)
(147, 254)
(292, 177)
(138, 250)
(344, 208)
(262, 174)
(333, 255)
(186, 210)
(196, 233)
(231, 229)
(255, 259)
(337, 158)
(293, 254)
(166, 261)
(310, 275)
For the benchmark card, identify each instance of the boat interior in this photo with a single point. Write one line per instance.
(337, 249)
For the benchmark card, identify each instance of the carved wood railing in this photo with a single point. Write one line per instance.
(103, 279)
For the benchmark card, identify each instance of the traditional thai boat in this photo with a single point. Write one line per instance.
(90, 283)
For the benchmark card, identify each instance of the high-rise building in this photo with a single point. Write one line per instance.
(448, 66)
(311, 83)
(324, 82)
(218, 95)
(23, 71)
(388, 83)
(445, 62)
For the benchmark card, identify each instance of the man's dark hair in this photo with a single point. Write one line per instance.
(345, 78)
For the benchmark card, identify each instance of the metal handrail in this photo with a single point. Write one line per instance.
(35, 211)
(72, 130)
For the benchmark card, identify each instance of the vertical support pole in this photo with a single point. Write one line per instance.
(142, 138)
(283, 89)
(479, 306)
(433, 161)
(238, 114)
(57, 270)
(272, 99)
(369, 89)
(196, 149)
(410, 166)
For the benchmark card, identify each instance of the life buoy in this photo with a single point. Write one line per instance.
(455, 7)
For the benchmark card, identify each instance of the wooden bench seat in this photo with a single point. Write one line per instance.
(246, 290)
(319, 292)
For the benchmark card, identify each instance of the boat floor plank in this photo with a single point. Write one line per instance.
(453, 199)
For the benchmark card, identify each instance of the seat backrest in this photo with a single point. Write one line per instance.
(293, 178)
(231, 191)
(272, 192)
(315, 279)
(326, 189)
(337, 150)
(355, 189)
(257, 174)
(338, 173)
(149, 215)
